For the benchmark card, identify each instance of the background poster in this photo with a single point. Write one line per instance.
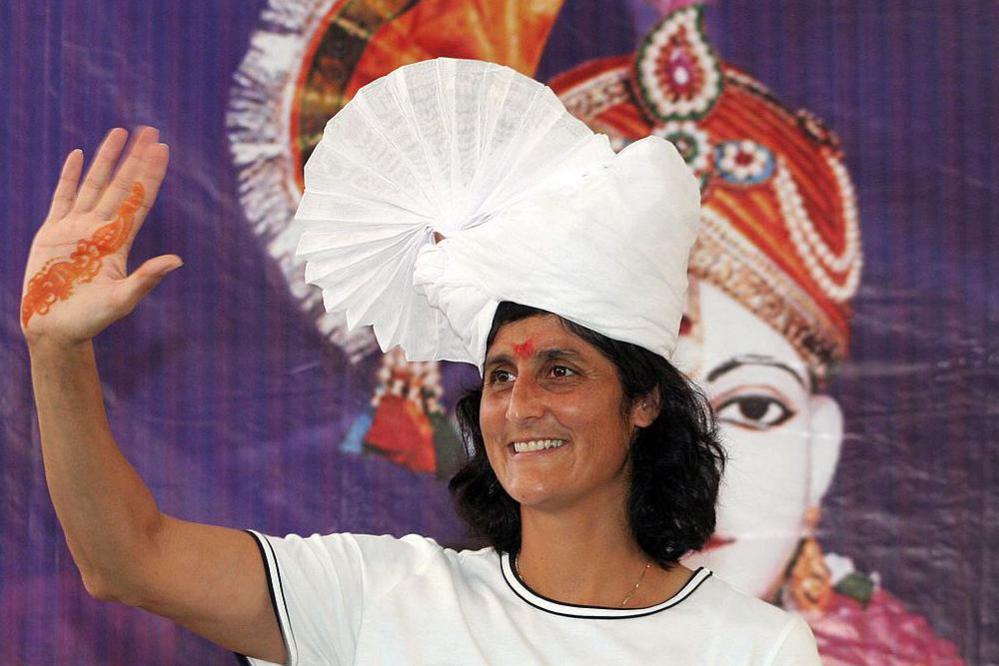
(239, 406)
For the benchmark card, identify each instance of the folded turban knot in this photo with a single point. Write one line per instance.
(530, 206)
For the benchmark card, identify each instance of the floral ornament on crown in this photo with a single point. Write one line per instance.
(677, 74)
(744, 162)
(693, 144)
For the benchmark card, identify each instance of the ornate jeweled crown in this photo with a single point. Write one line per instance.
(780, 228)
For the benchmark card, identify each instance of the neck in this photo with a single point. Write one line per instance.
(587, 555)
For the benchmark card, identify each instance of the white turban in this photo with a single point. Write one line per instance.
(534, 208)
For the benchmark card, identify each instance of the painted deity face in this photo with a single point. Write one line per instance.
(542, 383)
(782, 439)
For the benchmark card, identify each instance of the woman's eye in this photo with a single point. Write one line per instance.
(758, 412)
(562, 371)
(499, 376)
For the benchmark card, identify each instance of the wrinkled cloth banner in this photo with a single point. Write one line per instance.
(843, 316)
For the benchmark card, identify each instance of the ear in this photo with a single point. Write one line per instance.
(645, 409)
(825, 443)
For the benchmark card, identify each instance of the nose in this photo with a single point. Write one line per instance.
(526, 401)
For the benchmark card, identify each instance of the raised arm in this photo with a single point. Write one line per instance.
(209, 579)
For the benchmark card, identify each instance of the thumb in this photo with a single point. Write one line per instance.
(144, 278)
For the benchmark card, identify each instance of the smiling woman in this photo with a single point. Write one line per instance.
(633, 433)
(594, 468)
(508, 235)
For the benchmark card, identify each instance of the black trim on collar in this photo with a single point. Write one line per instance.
(532, 598)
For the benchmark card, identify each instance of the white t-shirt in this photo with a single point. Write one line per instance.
(363, 599)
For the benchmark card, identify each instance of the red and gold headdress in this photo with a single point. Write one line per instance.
(780, 228)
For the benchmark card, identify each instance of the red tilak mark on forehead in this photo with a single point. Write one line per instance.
(524, 349)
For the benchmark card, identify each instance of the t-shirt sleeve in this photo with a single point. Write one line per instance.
(318, 586)
(796, 646)
(316, 590)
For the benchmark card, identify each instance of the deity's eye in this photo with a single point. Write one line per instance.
(756, 411)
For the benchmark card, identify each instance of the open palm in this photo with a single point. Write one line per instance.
(76, 282)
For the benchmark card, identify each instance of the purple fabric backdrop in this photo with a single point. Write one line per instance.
(232, 406)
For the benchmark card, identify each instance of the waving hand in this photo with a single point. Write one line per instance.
(75, 282)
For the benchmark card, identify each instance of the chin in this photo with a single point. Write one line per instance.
(536, 500)
(540, 497)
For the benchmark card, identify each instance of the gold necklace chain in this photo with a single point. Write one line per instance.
(627, 597)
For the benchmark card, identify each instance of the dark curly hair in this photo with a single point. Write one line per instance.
(676, 462)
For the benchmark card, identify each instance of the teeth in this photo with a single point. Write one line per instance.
(537, 445)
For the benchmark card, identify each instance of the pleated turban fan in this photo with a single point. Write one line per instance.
(449, 186)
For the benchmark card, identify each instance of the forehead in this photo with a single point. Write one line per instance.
(730, 329)
(525, 336)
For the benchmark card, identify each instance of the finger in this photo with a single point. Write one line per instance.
(145, 164)
(157, 160)
(100, 170)
(144, 278)
(65, 190)
(142, 192)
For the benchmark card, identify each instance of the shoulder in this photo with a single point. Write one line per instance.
(786, 637)
(412, 553)
(734, 605)
(420, 555)
(347, 545)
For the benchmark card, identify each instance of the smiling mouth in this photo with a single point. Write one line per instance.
(536, 446)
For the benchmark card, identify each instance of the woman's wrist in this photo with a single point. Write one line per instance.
(47, 346)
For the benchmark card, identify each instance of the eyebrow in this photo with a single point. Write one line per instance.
(546, 354)
(741, 361)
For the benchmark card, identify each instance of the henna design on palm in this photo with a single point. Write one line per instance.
(57, 278)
